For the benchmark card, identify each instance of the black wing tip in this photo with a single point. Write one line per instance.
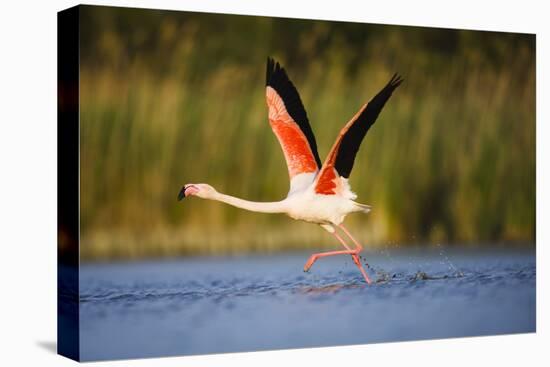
(395, 81)
(274, 71)
(269, 70)
(352, 139)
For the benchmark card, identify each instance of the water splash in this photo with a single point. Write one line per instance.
(447, 261)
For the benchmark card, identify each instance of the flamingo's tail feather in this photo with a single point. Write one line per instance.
(363, 207)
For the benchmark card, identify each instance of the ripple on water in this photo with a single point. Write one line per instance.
(219, 289)
(269, 302)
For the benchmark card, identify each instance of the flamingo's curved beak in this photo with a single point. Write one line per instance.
(181, 195)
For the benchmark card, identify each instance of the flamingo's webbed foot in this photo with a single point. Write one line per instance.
(310, 263)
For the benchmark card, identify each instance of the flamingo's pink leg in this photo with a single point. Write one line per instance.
(348, 251)
(314, 257)
(319, 255)
(351, 237)
(359, 248)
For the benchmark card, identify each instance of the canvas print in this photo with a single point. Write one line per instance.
(233, 183)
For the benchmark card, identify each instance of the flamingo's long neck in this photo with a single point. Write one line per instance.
(254, 206)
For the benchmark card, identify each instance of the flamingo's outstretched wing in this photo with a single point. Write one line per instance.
(289, 122)
(340, 160)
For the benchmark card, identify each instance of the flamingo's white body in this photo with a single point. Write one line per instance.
(318, 193)
(304, 204)
(309, 206)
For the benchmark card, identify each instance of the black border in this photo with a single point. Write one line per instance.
(68, 331)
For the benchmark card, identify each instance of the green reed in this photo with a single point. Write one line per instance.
(451, 158)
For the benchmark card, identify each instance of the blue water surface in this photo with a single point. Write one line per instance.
(248, 303)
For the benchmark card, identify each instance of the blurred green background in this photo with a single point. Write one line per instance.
(169, 98)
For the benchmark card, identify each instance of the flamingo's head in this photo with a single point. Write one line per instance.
(204, 191)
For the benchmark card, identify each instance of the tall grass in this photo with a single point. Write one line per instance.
(450, 159)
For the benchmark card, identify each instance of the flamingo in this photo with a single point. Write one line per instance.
(319, 193)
